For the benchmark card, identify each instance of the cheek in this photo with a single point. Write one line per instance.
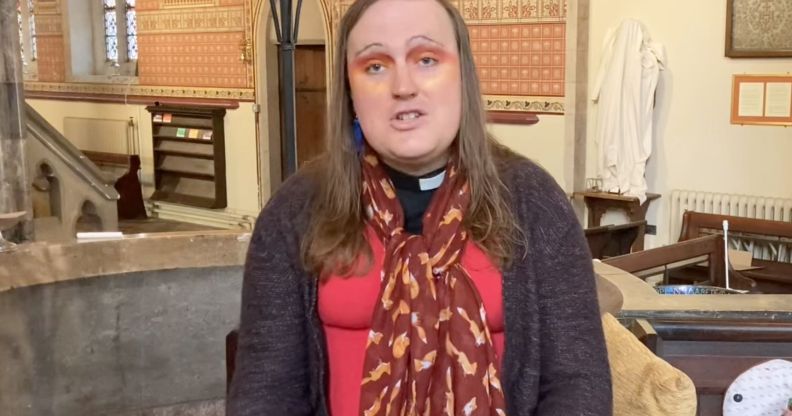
(446, 88)
(368, 97)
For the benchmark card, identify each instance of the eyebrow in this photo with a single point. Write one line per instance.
(411, 40)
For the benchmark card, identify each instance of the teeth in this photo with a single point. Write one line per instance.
(408, 116)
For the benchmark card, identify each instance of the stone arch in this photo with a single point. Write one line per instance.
(88, 219)
(46, 192)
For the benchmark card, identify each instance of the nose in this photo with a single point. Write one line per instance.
(403, 84)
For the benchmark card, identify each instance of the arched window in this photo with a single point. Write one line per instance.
(102, 40)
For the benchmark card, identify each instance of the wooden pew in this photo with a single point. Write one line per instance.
(613, 240)
(771, 276)
(713, 352)
(675, 262)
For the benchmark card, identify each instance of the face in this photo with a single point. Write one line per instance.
(405, 82)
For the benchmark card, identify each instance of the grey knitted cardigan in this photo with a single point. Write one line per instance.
(555, 361)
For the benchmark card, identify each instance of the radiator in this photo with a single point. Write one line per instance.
(749, 206)
(101, 134)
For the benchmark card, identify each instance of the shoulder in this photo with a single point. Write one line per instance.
(535, 195)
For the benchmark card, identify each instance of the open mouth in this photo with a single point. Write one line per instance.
(408, 115)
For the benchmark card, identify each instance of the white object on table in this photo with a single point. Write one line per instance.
(98, 235)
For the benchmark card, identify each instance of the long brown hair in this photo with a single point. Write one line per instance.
(335, 239)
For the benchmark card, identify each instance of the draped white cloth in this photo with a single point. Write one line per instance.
(625, 93)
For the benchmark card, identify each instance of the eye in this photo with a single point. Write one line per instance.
(375, 68)
(427, 61)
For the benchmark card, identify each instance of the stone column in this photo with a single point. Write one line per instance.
(14, 191)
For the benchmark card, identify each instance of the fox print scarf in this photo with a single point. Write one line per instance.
(429, 351)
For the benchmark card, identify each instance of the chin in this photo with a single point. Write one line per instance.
(412, 155)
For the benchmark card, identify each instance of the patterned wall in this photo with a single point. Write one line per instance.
(49, 29)
(193, 43)
(186, 48)
(192, 48)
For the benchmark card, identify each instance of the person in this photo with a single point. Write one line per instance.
(417, 267)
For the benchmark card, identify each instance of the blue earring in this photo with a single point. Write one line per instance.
(357, 133)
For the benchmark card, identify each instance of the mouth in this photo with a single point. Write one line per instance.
(407, 120)
(408, 115)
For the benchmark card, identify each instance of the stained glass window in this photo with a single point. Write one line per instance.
(21, 34)
(115, 19)
(111, 31)
(32, 26)
(26, 20)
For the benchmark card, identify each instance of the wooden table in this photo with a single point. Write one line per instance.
(600, 202)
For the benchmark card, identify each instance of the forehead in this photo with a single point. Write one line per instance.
(393, 22)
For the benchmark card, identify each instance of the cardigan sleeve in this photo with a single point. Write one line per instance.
(272, 363)
(574, 373)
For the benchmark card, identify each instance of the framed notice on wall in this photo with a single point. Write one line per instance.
(762, 99)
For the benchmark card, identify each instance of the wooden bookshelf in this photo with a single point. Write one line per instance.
(189, 155)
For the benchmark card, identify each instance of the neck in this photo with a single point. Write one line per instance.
(418, 169)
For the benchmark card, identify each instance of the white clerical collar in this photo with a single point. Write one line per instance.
(432, 182)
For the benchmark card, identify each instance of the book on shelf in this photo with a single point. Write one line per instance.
(167, 118)
(158, 118)
(181, 132)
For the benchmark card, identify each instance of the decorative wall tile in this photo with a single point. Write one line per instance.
(520, 59)
(175, 4)
(49, 24)
(192, 59)
(146, 5)
(51, 61)
(246, 94)
(218, 19)
(47, 7)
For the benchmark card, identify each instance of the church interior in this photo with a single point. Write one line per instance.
(140, 139)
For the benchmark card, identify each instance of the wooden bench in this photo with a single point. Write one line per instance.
(713, 352)
(771, 276)
(680, 263)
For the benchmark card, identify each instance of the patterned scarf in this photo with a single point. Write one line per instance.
(429, 351)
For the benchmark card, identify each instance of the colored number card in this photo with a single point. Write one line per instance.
(181, 132)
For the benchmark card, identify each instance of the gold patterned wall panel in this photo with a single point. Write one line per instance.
(49, 24)
(175, 4)
(512, 11)
(215, 19)
(47, 7)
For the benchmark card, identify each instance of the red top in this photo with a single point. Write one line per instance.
(346, 307)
